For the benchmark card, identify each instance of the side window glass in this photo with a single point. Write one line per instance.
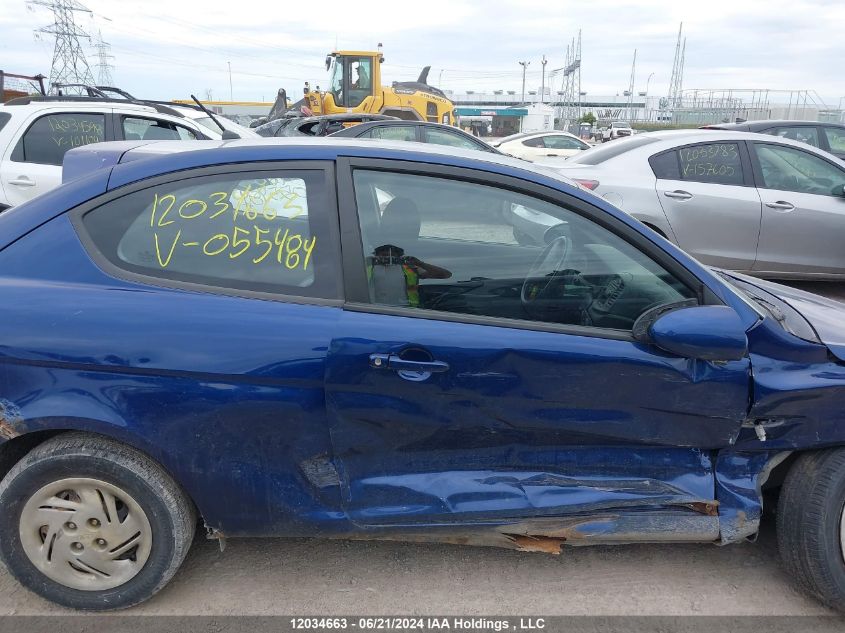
(264, 231)
(537, 141)
(790, 169)
(562, 142)
(396, 133)
(50, 137)
(442, 137)
(438, 244)
(665, 166)
(716, 163)
(835, 138)
(136, 128)
(803, 133)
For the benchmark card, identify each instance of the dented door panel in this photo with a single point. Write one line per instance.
(523, 423)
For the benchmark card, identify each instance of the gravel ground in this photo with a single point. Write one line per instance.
(300, 576)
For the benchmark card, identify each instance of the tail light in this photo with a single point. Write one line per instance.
(587, 184)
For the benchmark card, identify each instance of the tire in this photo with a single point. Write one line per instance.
(86, 480)
(810, 525)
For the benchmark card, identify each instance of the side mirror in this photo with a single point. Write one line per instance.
(328, 61)
(839, 190)
(229, 135)
(704, 332)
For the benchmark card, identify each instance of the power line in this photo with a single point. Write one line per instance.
(69, 62)
(104, 68)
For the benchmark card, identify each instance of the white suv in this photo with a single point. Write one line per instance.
(35, 133)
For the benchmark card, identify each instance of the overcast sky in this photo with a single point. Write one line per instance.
(169, 48)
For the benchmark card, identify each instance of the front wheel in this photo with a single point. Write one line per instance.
(92, 524)
(811, 525)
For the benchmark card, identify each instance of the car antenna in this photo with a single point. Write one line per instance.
(226, 134)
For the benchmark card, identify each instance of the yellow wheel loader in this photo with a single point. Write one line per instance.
(355, 87)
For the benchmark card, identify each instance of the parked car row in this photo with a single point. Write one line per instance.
(36, 132)
(765, 205)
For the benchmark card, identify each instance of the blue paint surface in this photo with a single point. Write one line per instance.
(273, 419)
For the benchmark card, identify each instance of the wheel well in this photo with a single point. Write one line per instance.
(15, 449)
(12, 451)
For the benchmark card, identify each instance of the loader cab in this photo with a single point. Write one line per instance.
(353, 76)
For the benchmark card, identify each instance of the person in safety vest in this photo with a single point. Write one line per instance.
(393, 276)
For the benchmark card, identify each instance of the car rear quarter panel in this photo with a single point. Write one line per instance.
(225, 392)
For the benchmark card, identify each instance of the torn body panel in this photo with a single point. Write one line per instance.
(10, 420)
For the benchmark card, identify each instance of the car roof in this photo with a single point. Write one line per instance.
(767, 123)
(393, 122)
(137, 160)
(652, 143)
(72, 105)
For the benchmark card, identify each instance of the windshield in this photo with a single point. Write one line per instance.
(606, 151)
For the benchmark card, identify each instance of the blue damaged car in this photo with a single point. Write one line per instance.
(341, 339)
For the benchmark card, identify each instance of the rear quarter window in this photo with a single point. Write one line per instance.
(48, 139)
(254, 231)
(665, 166)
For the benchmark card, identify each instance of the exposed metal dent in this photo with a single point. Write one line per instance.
(10, 418)
(320, 471)
(548, 535)
(534, 543)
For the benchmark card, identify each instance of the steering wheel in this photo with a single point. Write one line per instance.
(551, 260)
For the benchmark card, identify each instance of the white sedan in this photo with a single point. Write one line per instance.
(541, 145)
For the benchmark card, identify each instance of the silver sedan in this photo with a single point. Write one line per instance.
(748, 202)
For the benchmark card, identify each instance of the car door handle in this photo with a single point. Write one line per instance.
(22, 181)
(678, 194)
(781, 205)
(394, 362)
(555, 155)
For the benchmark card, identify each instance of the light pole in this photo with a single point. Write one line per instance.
(543, 84)
(524, 67)
(230, 81)
(648, 81)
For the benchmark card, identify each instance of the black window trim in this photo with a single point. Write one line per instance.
(327, 167)
(745, 162)
(356, 288)
(108, 130)
(758, 170)
(538, 137)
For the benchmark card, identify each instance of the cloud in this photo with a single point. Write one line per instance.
(169, 49)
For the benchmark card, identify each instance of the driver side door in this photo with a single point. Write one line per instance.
(502, 381)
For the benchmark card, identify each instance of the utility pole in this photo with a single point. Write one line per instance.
(230, 81)
(524, 67)
(104, 68)
(543, 84)
(630, 90)
(69, 63)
